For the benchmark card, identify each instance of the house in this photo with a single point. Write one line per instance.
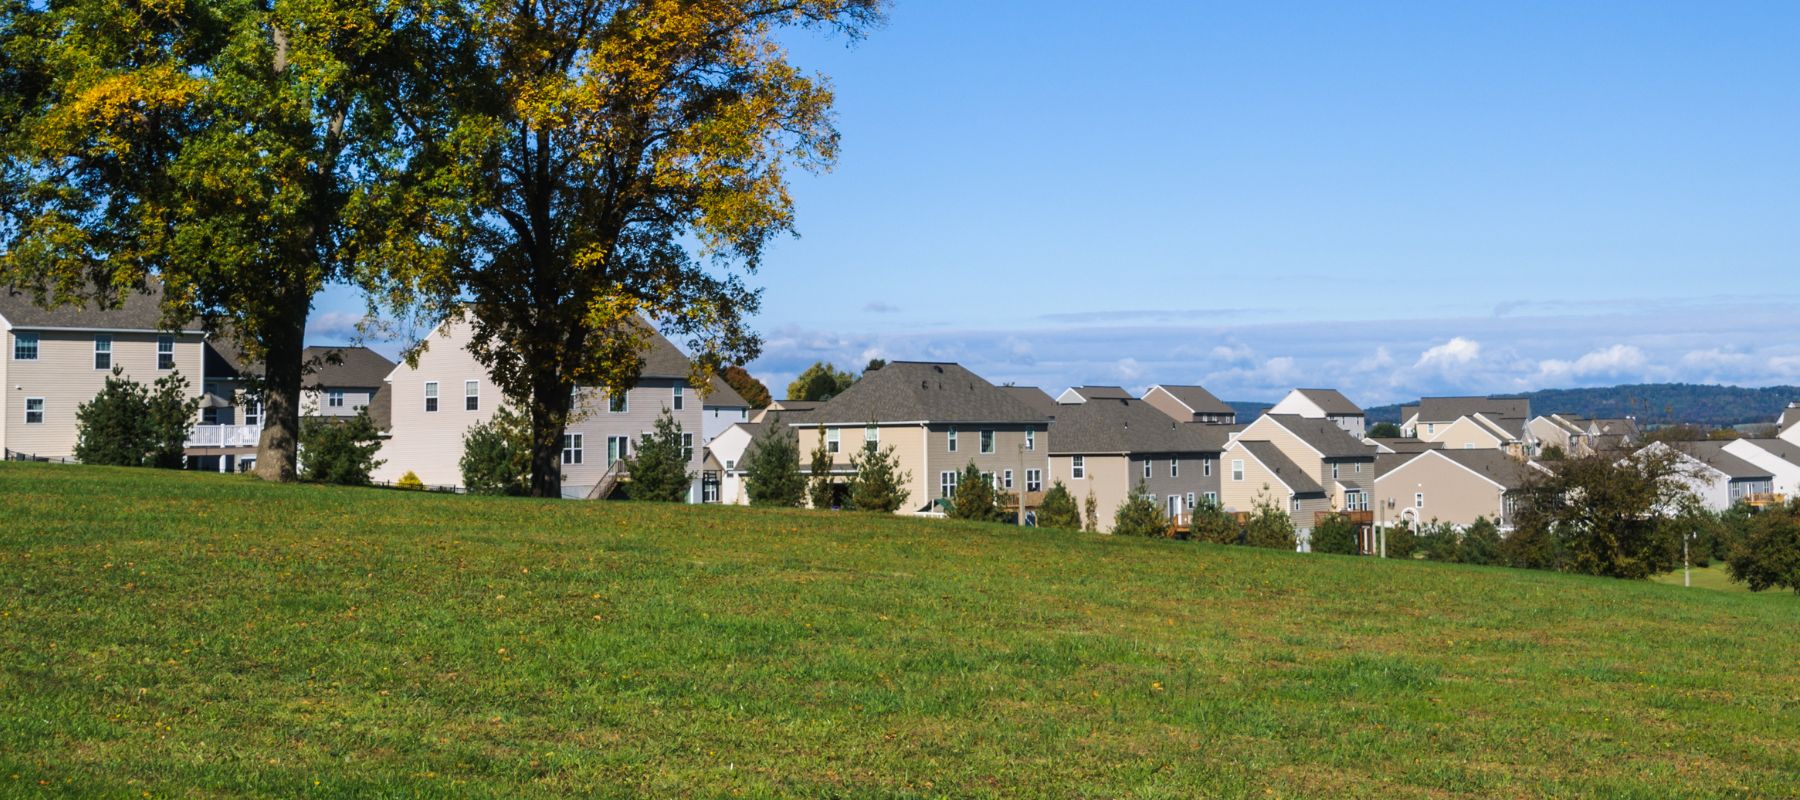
(1720, 479)
(1323, 404)
(938, 417)
(731, 451)
(1082, 394)
(1787, 426)
(1569, 434)
(722, 408)
(779, 406)
(1037, 399)
(1190, 404)
(437, 401)
(1451, 486)
(1409, 447)
(1472, 423)
(1616, 434)
(1107, 448)
(57, 359)
(344, 381)
(231, 414)
(1780, 457)
(1307, 466)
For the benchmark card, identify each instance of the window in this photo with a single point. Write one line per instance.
(1468, 445)
(431, 395)
(618, 448)
(1355, 500)
(334, 398)
(1031, 440)
(952, 440)
(1077, 468)
(1334, 471)
(1296, 505)
(1190, 500)
(1359, 467)
(253, 413)
(1212, 498)
(1237, 469)
(947, 484)
(616, 403)
(987, 441)
(25, 347)
(1146, 467)
(209, 416)
(34, 411)
(165, 352)
(1419, 500)
(1206, 467)
(1034, 480)
(687, 447)
(680, 398)
(572, 448)
(871, 435)
(103, 352)
(1430, 427)
(1174, 467)
(730, 464)
(471, 395)
(992, 480)
(831, 440)
(1006, 481)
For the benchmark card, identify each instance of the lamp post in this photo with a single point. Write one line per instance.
(1687, 579)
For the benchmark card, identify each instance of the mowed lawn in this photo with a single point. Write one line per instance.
(210, 636)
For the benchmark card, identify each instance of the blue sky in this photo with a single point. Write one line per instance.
(1394, 199)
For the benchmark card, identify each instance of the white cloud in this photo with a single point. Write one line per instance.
(1233, 353)
(1380, 360)
(1129, 369)
(1454, 352)
(1616, 360)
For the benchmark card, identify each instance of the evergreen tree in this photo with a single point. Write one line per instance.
(878, 485)
(1092, 507)
(1270, 527)
(1336, 534)
(1058, 509)
(1480, 544)
(1438, 541)
(1139, 515)
(772, 473)
(1383, 430)
(1400, 541)
(113, 429)
(659, 468)
(819, 491)
(171, 410)
(497, 454)
(339, 450)
(1530, 547)
(1212, 524)
(975, 497)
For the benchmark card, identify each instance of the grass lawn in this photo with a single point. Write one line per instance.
(1715, 577)
(206, 635)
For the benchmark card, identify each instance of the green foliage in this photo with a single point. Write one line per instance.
(1138, 515)
(1553, 453)
(975, 497)
(1400, 541)
(1270, 526)
(497, 454)
(1608, 512)
(874, 364)
(1211, 524)
(1385, 430)
(821, 381)
(1529, 547)
(1480, 543)
(1437, 541)
(410, 481)
(819, 491)
(1336, 534)
(772, 472)
(752, 390)
(878, 483)
(1058, 509)
(659, 468)
(1768, 555)
(127, 425)
(1091, 509)
(339, 450)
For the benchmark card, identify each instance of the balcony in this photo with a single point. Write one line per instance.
(206, 436)
(1359, 518)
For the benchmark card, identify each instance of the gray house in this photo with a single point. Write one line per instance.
(1107, 447)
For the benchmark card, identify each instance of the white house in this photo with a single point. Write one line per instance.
(1323, 404)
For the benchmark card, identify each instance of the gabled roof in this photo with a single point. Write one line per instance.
(1713, 454)
(1491, 465)
(1081, 394)
(794, 405)
(1790, 417)
(138, 311)
(1512, 428)
(1284, 468)
(1037, 399)
(1196, 398)
(1128, 425)
(1779, 448)
(921, 391)
(723, 396)
(1408, 446)
(1324, 436)
(1332, 402)
(1617, 427)
(1449, 409)
(357, 367)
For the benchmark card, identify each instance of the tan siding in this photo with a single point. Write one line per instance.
(1106, 481)
(1466, 433)
(1259, 481)
(1159, 399)
(1297, 451)
(64, 376)
(1452, 493)
(314, 402)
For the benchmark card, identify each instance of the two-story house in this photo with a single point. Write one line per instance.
(1307, 466)
(344, 381)
(939, 418)
(1107, 448)
(1190, 404)
(1719, 478)
(1455, 487)
(1327, 404)
(1472, 423)
(436, 402)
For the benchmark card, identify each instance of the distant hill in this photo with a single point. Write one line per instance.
(1653, 403)
(1248, 410)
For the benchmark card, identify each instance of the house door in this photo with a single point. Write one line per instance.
(1175, 508)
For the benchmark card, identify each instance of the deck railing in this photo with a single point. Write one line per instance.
(224, 436)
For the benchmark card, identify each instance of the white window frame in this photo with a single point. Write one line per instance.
(1078, 468)
(1359, 467)
(1334, 471)
(1174, 467)
(1295, 503)
(618, 403)
(687, 447)
(618, 448)
(1147, 469)
(1418, 499)
(1034, 480)
(1237, 469)
(334, 398)
(573, 445)
(1031, 440)
(1206, 467)
(103, 350)
(1191, 499)
(871, 435)
(42, 409)
(678, 400)
(947, 483)
(165, 348)
(987, 442)
(252, 412)
(1211, 497)
(431, 397)
(1006, 480)
(832, 439)
(471, 395)
(20, 341)
(950, 439)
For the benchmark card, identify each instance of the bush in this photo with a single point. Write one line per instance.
(659, 468)
(1400, 541)
(1438, 541)
(1270, 527)
(1140, 516)
(171, 409)
(1092, 507)
(339, 450)
(878, 485)
(1337, 534)
(1768, 555)
(127, 425)
(1480, 544)
(1383, 430)
(819, 491)
(975, 497)
(772, 474)
(1058, 509)
(1212, 524)
(409, 481)
(1529, 547)
(1608, 512)
(497, 455)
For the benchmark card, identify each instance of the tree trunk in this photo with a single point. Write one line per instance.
(278, 449)
(550, 404)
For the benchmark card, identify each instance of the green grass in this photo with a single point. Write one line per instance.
(1714, 576)
(209, 636)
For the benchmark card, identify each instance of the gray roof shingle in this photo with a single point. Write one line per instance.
(1450, 409)
(1198, 399)
(1037, 399)
(1100, 392)
(1283, 467)
(138, 311)
(355, 367)
(723, 396)
(1128, 425)
(1332, 402)
(1713, 454)
(1324, 436)
(921, 391)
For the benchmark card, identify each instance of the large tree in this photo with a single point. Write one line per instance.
(1609, 513)
(618, 161)
(228, 150)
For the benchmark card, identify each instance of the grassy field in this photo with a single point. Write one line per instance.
(204, 635)
(1715, 577)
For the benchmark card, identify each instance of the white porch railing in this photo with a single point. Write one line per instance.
(224, 436)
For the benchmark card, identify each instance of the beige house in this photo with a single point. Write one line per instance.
(939, 418)
(1081, 394)
(1450, 486)
(1309, 467)
(344, 381)
(436, 402)
(1472, 423)
(56, 360)
(1107, 448)
(1190, 404)
(1328, 404)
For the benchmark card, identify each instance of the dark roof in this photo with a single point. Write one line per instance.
(662, 359)
(794, 405)
(1332, 402)
(1388, 462)
(1714, 455)
(1198, 399)
(1449, 409)
(138, 311)
(1511, 426)
(1411, 446)
(1127, 425)
(1284, 468)
(1779, 448)
(224, 362)
(1324, 436)
(1100, 392)
(1491, 464)
(1038, 399)
(1617, 427)
(354, 367)
(722, 395)
(919, 391)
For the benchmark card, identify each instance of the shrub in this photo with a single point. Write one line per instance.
(1058, 509)
(819, 491)
(878, 484)
(975, 497)
(127, 425)
(1337, 534)
(409, 481)
(1480, 544)
(339, 450)
(1400, 541)
(1211, 524)
(659, 468)
(497, 455)
(1270, 527)
(1528, 547)
(772, 473)
(1139, 515)
(171, 410)
(1608, 511)
(1437, 541)
(1768, 555)
(1092, 508)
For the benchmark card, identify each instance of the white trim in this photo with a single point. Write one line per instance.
(43, 411)
(1440, 454)
(183, 332)
(1159, 388)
